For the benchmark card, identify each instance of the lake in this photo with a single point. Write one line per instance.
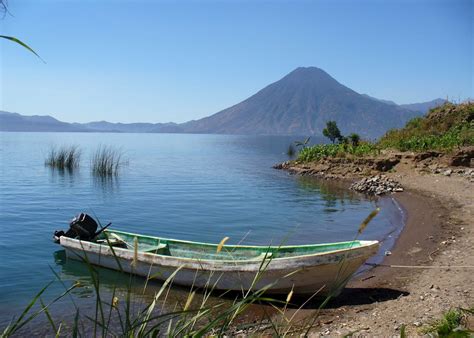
(193, 187)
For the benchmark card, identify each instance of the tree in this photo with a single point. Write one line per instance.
(332, 132)
(355, 139)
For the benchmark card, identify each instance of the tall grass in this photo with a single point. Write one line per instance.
(119, 314)
(106, 161)
(66, 157)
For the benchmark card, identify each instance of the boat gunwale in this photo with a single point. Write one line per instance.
(365, 245)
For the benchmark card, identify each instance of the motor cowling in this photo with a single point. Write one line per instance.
(82, 227)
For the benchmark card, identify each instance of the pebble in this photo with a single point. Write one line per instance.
(447, 172)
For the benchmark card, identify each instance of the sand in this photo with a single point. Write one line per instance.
(438, 233)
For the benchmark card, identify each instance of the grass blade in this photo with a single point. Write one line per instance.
(21, 43)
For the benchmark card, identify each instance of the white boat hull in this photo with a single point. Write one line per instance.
(324, 273)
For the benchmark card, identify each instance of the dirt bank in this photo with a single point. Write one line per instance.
(438, 233)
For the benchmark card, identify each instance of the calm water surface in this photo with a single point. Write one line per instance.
(194, 187)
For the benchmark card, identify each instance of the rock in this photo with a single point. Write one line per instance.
(462, 157)
(283, 165)
(377, 185)
(447, 172)
(425, 155)
(386, 164)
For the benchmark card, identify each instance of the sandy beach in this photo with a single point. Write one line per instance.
(429, 270)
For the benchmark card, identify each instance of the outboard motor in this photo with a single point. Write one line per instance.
(82, 227)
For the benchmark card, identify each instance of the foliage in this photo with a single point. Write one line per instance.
(444, 128)
(332, 131)
(66, 157)
(320, 151)
(304, 143)
(455, 137)
(21, 43)
(106, 161)
(450, 325)
(117, 314)
(355, 139)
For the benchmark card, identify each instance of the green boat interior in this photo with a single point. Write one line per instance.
(205, 251)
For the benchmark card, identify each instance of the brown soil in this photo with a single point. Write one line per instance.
(438, 233)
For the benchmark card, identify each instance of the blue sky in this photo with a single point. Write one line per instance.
(160, 61)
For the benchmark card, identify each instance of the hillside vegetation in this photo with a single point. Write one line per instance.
(443, 129)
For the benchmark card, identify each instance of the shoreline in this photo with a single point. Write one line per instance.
(438, 232)
(411, 244)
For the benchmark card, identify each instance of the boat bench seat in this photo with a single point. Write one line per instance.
(111, 242)
(160, 249)
(263, 255)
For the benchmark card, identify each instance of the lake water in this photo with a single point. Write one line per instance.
(193, 187)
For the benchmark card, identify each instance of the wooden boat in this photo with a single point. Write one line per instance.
(305, 269)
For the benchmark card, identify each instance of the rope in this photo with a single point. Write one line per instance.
(423, 266)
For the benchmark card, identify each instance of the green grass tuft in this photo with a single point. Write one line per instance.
(450, 325)
(106, 161)
(66, 157)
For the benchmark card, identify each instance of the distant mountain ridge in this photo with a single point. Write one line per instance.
(140, 127)
(17, 122)
(298, 104)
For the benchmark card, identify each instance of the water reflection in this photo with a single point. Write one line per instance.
(108, 185)
(118, 283)
(64, 176)
(331, 192)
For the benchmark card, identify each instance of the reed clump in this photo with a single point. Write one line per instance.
(107, 161)
(66, 157)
